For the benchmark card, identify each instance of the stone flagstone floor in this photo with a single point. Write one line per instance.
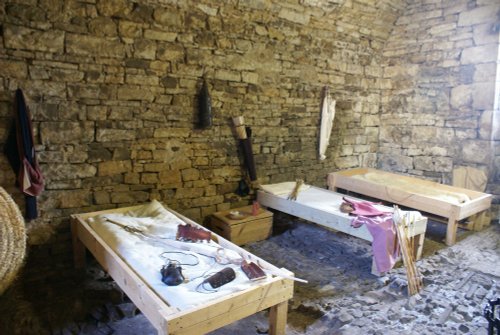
(342, 297)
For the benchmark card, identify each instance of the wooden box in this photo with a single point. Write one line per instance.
(242, 229)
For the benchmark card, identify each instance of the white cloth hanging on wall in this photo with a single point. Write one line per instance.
(327, 116)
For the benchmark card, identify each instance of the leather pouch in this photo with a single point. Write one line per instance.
(222, 277)
(252, 270)
(188, 232)
(171, 274)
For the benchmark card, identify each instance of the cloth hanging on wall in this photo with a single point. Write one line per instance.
(327, 116)
(20, 151)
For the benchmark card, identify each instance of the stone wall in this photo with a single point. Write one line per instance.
(112, 89)
(439, 111)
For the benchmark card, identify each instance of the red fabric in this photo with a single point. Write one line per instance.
(31, 179)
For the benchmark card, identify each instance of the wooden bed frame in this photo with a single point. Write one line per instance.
(479, 203)
(307, 209)
(273, 294)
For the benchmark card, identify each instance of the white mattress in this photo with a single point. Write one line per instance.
(143, 255)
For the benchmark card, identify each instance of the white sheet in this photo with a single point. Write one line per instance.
(143, 255)
(426, 190)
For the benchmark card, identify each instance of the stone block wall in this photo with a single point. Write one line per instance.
(112, 88)
(438, 113)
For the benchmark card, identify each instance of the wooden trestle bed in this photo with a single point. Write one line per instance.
(413, 195)
(274, 292)
(322, 206)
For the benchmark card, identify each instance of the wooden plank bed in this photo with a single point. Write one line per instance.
(322, 207)
(273, 292)
(452, 203)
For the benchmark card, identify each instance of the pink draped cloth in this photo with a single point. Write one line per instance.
(381, 226)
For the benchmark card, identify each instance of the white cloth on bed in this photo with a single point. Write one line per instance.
(143, 254)
(424, 187)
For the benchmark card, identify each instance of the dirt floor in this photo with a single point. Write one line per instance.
(342, 296)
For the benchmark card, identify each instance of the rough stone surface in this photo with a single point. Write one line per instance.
(113, 85)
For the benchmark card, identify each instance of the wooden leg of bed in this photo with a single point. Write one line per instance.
(451, 231)
(78, 247)
(277, 318)
(419, 246)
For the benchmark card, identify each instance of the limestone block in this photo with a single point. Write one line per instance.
(145, 49)
(14, 69)
(208, 201)
(66, 132)
(139, 79)
(395, 162)
(190, 174)
(486, 125)
(485, 72)
(129, 197)
(436, 164)
(74, 198)
(149, 178)
(129, 29)
(110, 135)
(17, 37)
(347, 162)
(110, 168)
(485, 34)
(478, 15)
(483, 96)
(475, 151)
(103, 26)
(228, 75)
(294, 16)
(189, 193)
(370, 121)
(92, 45)
(114, 7)
(461, 96)
(101, 197)
(69, 171)
(168, 17)
(479, 54)
(170, 52)
(167, 177)
(160, 35)
(135, 92)
(400, 70)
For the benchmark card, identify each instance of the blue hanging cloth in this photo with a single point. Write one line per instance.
(20, 151)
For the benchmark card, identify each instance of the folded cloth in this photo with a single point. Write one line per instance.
(364, 208)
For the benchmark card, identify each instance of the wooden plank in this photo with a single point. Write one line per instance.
(153, 307)
(79, 251)
(234, 307)
(277, 319)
